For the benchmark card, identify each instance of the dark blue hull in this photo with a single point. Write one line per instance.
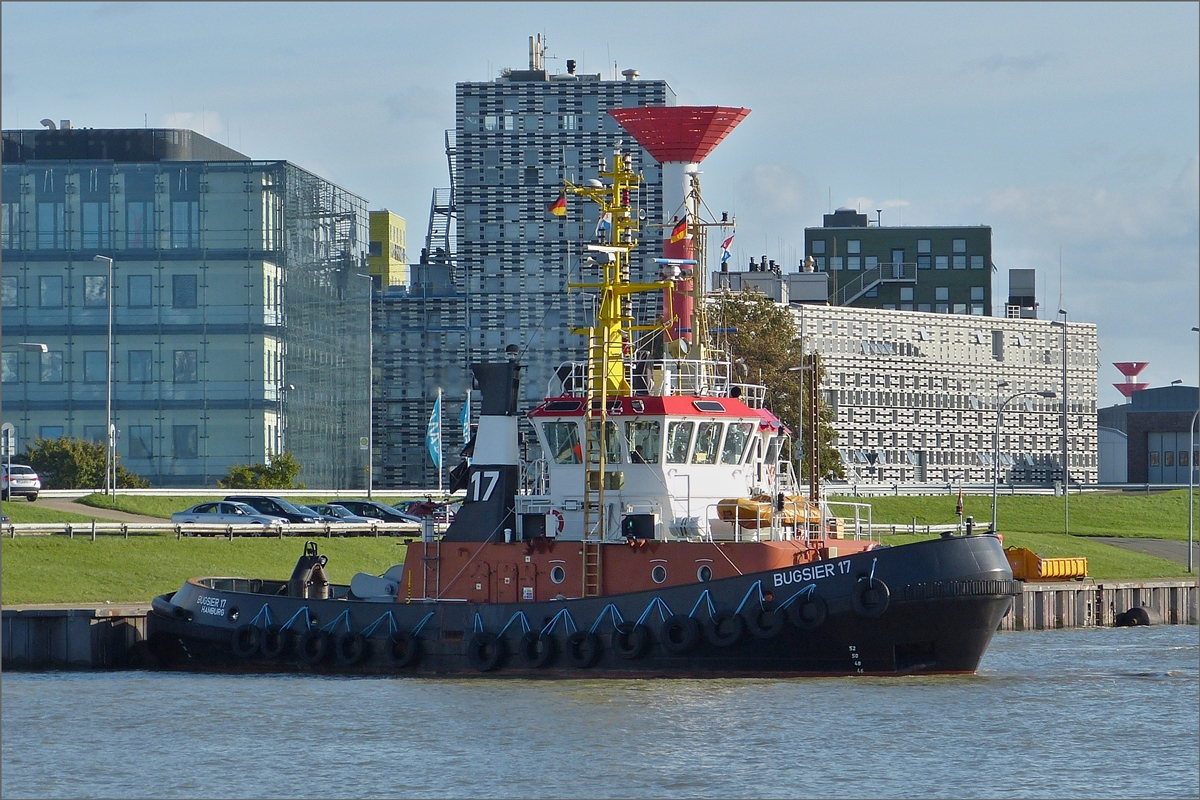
(929, 607)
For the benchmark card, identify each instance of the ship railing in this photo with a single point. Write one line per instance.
(535, 477)
(663, 376)
(858, 528)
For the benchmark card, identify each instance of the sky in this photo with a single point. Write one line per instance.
(1072, 129)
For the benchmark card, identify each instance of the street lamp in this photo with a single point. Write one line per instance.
(1191, 471)
(110, 456)
(1066, 475)
(996, 450)
(370, 382)
(812, 472)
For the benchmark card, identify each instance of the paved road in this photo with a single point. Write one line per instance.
(58, 504)
(1161, 548)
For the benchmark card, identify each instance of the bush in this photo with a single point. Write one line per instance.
(281, 473)
(69, 463)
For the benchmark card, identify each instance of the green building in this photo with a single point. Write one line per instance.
(945, 270)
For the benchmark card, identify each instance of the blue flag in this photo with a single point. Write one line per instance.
(465, 420)
(433, 433)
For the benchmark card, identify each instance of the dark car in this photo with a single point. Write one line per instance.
(277, 507)
(379, 511)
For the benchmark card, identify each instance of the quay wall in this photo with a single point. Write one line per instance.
(112, 637)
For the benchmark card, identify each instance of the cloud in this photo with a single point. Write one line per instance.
(205, 122)
(1012, 65)
(415, 104)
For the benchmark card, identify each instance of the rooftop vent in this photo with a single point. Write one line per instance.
(630, 74)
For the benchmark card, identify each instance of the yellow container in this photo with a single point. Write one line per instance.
(1029, 566)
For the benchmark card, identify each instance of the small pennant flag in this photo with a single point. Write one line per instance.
(603, 224)
(679, 231)
(559, 207)
(959, 510)
(725, 249)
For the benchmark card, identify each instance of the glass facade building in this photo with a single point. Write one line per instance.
(240, 328)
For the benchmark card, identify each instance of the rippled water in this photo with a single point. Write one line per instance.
(1074, 713)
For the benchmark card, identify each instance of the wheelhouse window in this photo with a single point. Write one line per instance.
(645, 441)
(708, 438)
(679, 436)
(612, 443)
(735, 442)
(563, 441)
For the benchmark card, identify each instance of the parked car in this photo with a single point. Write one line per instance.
(341, 514)
(376, 510)
(226, 513)
(278, 507)
(19, 479)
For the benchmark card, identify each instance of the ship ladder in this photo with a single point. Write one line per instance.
(593, 452)
(591, 569)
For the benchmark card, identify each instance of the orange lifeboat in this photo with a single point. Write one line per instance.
(758, 511)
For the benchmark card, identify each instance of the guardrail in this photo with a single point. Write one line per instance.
(405, 530)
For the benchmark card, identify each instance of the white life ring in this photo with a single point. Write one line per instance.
(559, 517)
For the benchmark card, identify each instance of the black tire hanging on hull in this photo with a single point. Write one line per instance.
(246, 640)
(808, 613)
(765, 622)
(726, 629)
(583, 649)
(312, 647)
(485, 651)
(630, 640)
(871, 597)
(680, 634)
(403, 649)
(537, 650)
(274, 642)
(349, 648)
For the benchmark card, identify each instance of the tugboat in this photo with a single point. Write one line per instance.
(661, 532)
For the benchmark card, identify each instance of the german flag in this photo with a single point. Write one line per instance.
(679, 231)
(559, 207)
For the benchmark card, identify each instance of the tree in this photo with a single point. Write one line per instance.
(761, 338)
(69, 463)
(280, 473)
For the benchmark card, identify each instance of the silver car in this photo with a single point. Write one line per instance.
(19, 479)
(341, 513)
(225, 513)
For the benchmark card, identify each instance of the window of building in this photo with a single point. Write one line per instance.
(569, 122)
(10, 226)
(96, 229)
(871, 262)
(941, 293)
(854, 262)
(854, 246)
(1154, 458)
(141, 291)
(51, 364)
(906, 293)
(873, 291)
(922, 245)
(960, 308)
(185, 223)
(960, 245)
(960, 262)
(139, 225)
(141, 441)
(183, 291)
(924, 262)
(977, 292)
(141, 366)
(8, 291)
(491, 122)
(998, 345)
(818, 247)
(941, 262)
(185, 366)
(976, 262)
(95, 290)
(820, 263)
(835, 263)
(50, 432)
(923, 307)
(95, 366)
(10, 364)
(942, 308)
(1183, 458)
(187, 441)
(94, 433)
(51, 230)
(50, 291)
(1168, 458)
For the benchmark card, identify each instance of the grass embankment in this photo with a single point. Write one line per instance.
(56, 569)
(1157, 515)
(31, 513)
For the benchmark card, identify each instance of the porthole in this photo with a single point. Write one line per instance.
(233, 613)
(558, 574)
(704, 574)
(659, 573)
